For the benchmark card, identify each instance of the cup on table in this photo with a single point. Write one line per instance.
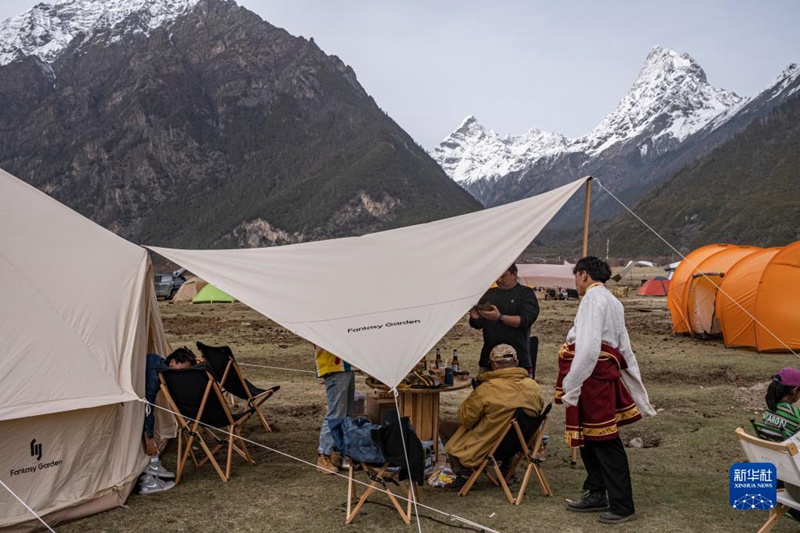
(448, 375)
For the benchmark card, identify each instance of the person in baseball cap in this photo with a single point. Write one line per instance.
(781, 420)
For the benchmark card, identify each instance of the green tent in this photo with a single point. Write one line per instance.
(210, 294)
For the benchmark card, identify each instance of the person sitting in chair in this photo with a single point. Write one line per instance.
(483, 416)
(154, 475)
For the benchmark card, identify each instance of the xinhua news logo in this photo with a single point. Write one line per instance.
(753, 486)
(36, 450)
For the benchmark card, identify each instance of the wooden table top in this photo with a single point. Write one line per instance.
(458, 384)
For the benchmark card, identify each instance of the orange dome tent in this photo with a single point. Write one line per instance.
(778, 302)
(736, 300)
(700, 293)
(681, 277)
(748, 294)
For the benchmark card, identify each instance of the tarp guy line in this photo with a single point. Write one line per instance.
(284, 454)
(695, 267)
(39, 518)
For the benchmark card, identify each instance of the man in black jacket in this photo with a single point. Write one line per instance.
(506, 314)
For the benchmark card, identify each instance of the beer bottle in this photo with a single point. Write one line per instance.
(438, 361)
(454, 362)
(424, 363)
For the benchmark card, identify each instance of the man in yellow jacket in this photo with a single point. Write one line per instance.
(483, 416)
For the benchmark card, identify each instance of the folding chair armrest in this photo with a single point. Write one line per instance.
(260, 397)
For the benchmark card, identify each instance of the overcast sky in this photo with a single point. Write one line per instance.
(558, 66)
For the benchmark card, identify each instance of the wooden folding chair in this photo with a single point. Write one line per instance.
(387, 474)
(230, 378)
(381, 476)
(521, 440)
(199, 406)
(785, 457)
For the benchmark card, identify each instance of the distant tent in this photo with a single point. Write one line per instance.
(658, 286)
(210, 294)
(189, 290)
(534, 275)
(746, 294)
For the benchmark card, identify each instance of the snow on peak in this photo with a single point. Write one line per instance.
(46, 30)
(785, 80)
(473, 152)
(671, 98)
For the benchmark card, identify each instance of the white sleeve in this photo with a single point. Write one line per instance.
(589, 338)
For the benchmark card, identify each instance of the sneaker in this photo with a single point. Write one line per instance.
(149, 484)
(591, 502)
(612, 518)
(155, 468)
(325, 466)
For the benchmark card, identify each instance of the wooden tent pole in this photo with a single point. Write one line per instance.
(585, 250)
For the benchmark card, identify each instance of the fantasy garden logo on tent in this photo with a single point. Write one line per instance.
(36, 451)
(753, 486)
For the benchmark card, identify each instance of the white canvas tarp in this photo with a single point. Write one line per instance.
(77, 316)
(335, 294)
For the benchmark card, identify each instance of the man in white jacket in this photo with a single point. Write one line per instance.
(600, 383)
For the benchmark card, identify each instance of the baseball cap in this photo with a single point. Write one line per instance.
(502, 351)
(789, 376)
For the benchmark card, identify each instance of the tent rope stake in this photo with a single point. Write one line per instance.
(695, 267)
(39, 518)
(299, 460)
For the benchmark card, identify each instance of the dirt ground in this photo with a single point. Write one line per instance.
(702, 391)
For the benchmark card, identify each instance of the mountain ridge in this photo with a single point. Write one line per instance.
(213, 129)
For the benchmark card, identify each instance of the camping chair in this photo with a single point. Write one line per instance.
(784, 455)
(198, 406)
(385, 475)
(522, 434)
(229, 376)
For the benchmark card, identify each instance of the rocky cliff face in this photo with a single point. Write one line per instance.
(195, 123)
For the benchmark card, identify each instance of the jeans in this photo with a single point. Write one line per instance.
(152, 385)
(340, 389)
(352, 437)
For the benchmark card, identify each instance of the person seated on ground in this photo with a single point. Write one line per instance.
(483, 416)
(154, 477)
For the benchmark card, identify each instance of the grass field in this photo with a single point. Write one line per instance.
(701, 390)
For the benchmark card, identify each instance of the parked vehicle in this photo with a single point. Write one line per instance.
(168, 284)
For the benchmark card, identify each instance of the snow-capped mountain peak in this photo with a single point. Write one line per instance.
(670, 99)
(46, 30)
(473, 152)
(786, 79)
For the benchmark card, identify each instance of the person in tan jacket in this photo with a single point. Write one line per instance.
(483, 416)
